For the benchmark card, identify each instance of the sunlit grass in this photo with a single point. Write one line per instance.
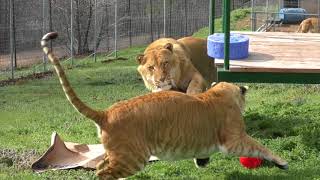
(285, 118)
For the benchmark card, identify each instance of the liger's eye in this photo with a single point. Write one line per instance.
(165, 63)
(151, 68)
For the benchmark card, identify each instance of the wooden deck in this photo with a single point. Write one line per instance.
(279, 52)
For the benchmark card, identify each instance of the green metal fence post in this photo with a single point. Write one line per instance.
(226, 24)
(223, 15)
(211, 17)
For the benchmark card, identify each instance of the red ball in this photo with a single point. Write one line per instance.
(250, 162)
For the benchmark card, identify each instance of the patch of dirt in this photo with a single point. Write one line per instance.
(243, 24)
(246, 24)
(20, 160)
(23, 79)
(284, 28)
(27, 58)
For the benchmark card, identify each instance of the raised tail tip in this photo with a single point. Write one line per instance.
(45, 39)
(49, 36)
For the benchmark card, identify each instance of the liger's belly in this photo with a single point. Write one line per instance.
(182, 153)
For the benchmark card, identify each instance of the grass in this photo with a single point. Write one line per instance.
(239, 20)
(285, 118)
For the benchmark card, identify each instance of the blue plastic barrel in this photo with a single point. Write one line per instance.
(239, 46)
(287, 18)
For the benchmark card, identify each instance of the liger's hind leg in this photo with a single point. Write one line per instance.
(120, 165)
(247, 146)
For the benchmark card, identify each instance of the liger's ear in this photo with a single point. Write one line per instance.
(213, 84)
(244, 89)
(169, 46)
(140, 58)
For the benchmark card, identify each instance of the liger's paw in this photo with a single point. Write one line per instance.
(285, 166)
(201, 163)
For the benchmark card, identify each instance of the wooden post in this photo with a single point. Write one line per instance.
(95, 31)
(186, 17)
(44, 29)
(71, 31)
(170, 20)
(151, 29)
(252, 16)
(12, 40)
(116, 28)
(130, 23)
(164, 19)
(50, 20)
(267, 10)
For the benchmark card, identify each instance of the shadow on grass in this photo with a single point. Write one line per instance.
(270, 126)
(292, 175)
(285, 119)
(310, 134)
(101, 83)
(115, 81)
(23, 79)
(280, 119)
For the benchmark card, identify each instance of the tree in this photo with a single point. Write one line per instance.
(83, 23)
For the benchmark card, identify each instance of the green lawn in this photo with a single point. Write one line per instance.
(285, 118)
(239, 21)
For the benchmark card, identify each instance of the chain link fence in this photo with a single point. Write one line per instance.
(265, 14)
(88, 27)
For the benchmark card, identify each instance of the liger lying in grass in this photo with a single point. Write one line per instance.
(170, 125)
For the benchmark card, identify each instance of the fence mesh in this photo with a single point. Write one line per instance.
(266, 11)
(91, 26)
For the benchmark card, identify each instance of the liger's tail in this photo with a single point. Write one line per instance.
(97, 116)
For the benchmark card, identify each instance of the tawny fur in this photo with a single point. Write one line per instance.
(309, 25)
(181, 65)
(170, 125)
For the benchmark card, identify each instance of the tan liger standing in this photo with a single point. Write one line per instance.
(182, 65)
(309, 25)
(170, 125)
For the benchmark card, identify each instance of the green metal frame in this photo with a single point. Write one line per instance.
(224, 74)
(268, 77)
